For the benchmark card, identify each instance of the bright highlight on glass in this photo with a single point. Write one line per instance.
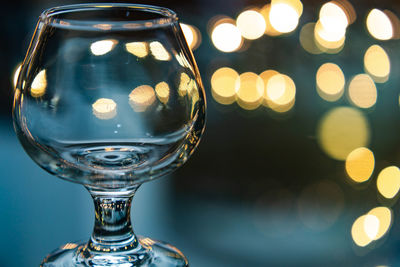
(39, 84)
(192, 35)
(360, 164)
(139, 49)
(225, 82)
(371, 226)
(342, 130)
(362, 91)
(141, 98)
(379, 25)
(388, 182)
(159, 52)
(330, 82)
(162, 92)
(104, 108)
(16, 74)
(377, 63)
(251, 24)
(102, 47)
(250, 92)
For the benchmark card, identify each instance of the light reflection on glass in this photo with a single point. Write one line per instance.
(103, 26)
(360, 164)
(330, 82)
(251, 24)
(138, 49)
(225, 82)
(104, 108)
(69, 246)
(388, 182)
(159, 52)
(141, 98)
(251, 91)
(102, 47)
(16, 74)
(39, 84)
(186, 84)
(362, 91)
(342, 130)
(226, 37)
(162, 92)
(192, 35)
(377, 63)
(379, 25)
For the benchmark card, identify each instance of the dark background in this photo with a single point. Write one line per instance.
(236, 201)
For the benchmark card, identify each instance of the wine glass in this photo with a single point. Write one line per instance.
(109, 96)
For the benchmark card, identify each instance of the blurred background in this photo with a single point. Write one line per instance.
(298, 164)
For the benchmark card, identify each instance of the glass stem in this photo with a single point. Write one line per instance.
(112, 226)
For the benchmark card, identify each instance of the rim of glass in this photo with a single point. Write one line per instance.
(48, 16)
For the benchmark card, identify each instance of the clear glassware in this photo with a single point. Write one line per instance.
(109, 96)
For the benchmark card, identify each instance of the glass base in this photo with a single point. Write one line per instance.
(149, 253)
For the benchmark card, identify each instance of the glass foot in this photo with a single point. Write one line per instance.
(149, 253)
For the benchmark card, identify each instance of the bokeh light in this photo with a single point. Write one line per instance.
(265, 76)
(39, 84)
(162, 92)
(159, 52)
(360, 164)
(384, 216)
(226, 37)
(320, 205)
(358, 232)
(330, 82)
(251, 24)
(388, 182)
(280, 93)
(307, 39)
(362, 91)
(341, 130)
(104, 108)
(192, 35)
(102, 47)
(371, 226)
(269, 30)
(377, 63)
(334, 20)
(326, 41)
(283, 17)
(138, 49)
(379, 25)
(225, 82)
(251, 91)
(141, 98)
